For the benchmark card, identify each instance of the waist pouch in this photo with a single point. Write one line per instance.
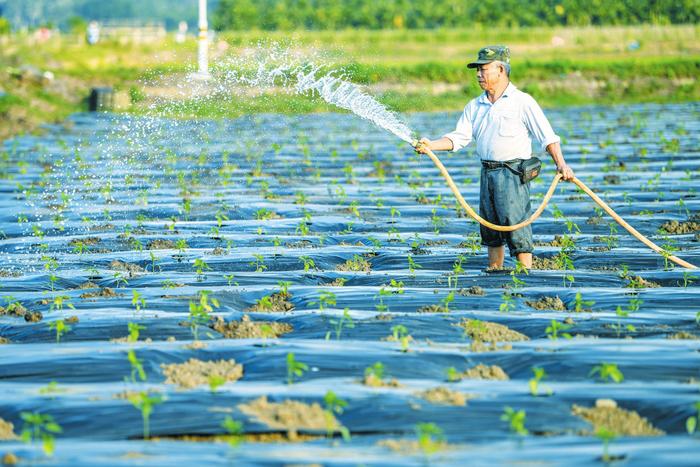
(529, 169)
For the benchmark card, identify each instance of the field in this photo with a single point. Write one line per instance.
(301, 289)
(417, 70)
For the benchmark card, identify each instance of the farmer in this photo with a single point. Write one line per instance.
(502, 121)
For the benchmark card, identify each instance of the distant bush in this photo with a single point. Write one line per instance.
(418, 14)
(5, 27)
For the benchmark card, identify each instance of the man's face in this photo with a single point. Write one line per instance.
(489, 75)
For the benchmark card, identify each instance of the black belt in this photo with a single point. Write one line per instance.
(499, 164)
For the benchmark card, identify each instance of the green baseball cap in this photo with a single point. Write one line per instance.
(491, 53)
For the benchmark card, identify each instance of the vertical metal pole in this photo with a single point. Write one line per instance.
(202, 51)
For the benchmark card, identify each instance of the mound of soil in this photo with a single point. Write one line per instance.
(410, 445)
(87, 285)
(638, 282)
(374, 381)
(557, 241)
(278, 302)
(7, 430)
(545, 263)
(355, 264)
(473, 290)
(482, 371)
(623, 422)
(487, 331)
(161, 244)
(87, 241)
(104, 292)
(443, 395)
(195, 372)
(547, 303)
(131, 268)
(683, 335)
(19, 311)
(678, 228)
(247, 329)
(433, 309)
(290, 415)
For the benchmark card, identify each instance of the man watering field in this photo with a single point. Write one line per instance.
(502, 122)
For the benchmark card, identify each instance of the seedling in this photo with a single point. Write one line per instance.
(338, 324)
(136, 366)
(605, 435)
(134, 330)
(145, 402)
(229, 279)
(691, 423)
(538, 375)
(412, 266)
(508, 303)
(60, 327)
(334, 405)
(453, 375)
(688, 278)
(137, 300)
(234, 429)
(555, 327)
(215, 381)
(400, 334)
(324, 299)
(200, 266)
(580, 303)
(38, 426)
(308, 263)
(608, 372)
(199, 311)
(376, 371)
(516, 420)
(430, 438)
(60, 301)
(447, 300)
(294, 368)
(456, 271)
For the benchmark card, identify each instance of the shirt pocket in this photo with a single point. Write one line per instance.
(509, 125)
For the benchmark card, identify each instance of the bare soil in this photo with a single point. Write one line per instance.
(443, 395)
(195, 372)
(487, 331)
(248, 329)
(623, 422)
(547, 303)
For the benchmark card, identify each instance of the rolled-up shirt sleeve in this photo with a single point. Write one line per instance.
(538, 124)
(462, 135)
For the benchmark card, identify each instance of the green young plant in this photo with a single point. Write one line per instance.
(234, 429)
(580, 304)
(294, 368)
(431, 438)
(376, 370)
(325, 299)
(555, 329)
(200, 266)
(345, 321)
(334, 405)
(400, 334)
(40, 427)
(608, 372)
(308, 262)
(144, 402)
(137, 300)
(449, 298)
(229, 279)
(453, 375)
(199, 314)
(507, 304)
(605, 435)
(215, 381)
(134, 331)
(534, 383)
(516, 420)
(60, 327)
(412, 266)
(136, 366)
(691, 423)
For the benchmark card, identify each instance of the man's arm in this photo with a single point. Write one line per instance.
(554, 150)
(442, 144)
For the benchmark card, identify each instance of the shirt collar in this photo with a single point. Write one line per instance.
(483, 99)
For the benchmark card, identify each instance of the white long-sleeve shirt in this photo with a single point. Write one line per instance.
(503, 130)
